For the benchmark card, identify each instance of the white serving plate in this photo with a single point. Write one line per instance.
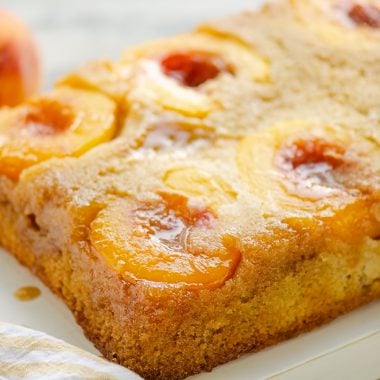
(348, 348)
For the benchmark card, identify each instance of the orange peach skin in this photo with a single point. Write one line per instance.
(19, 61)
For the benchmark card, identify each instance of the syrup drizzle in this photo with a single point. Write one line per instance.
(309, 167)
(27, 293)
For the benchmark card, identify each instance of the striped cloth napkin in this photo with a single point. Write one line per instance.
(30, 355)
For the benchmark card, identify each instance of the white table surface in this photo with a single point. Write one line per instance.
(70, 32)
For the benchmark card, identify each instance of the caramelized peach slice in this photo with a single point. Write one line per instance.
(173, 73)
(158, 241)
(65, 122)
(356, 220)
(151, 88)
(220, 55)
(313, 171)
(301, 166)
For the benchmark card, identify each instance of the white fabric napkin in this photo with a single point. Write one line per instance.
(27, 354)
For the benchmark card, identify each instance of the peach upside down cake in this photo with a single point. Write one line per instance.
(207, 194)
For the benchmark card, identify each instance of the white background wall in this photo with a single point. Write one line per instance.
(72, 31)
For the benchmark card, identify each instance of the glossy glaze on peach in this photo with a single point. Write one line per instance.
(65, 122)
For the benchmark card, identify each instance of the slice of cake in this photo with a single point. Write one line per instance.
(222, 190)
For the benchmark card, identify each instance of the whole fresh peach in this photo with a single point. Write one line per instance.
(19, 61)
